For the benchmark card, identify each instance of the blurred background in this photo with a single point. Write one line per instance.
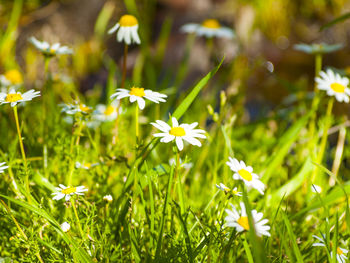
(260, 63)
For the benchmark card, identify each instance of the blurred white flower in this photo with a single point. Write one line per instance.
(185, 165)
(3, 166)
(65, 226)
(341, 252)
(228, 190)
(50, 50)
(127, 30)
(108, 198)
(209, 28)
(14, 97)
(334, 85)
(75, 108)
(11, 78)
(67, 192)
(179, 133)
(105, 113)
(84, 165)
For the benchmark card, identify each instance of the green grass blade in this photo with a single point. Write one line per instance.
(292, 239)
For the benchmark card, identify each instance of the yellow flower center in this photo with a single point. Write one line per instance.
(339, 251)
(52, 51)
(127, 21)
(69, 190)
(234, 192)
(243, 222)
(13, 97)
(87, 165)
(84, 108)
(139, 92)
(226, 189)
(211, 23)
(177, 131)
(109, 110)
(338, 87)
(14, 76)
(245, 175)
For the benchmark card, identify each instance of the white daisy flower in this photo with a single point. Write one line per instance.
(105, 113)
(334, 85)
(138, 94)
(241, 223)
(245, 173)
(128, 26)
(50, 50)
(67, 192)
(14, 97)
(85, 166)
(209, 28)
(108, 198)
(341, 252)
(179, 133)
(73, 109)
(316, 188)
(3, 167)
(228, 190)
(65, 226)
(11, 78)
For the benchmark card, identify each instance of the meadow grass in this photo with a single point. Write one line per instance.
(149, 201)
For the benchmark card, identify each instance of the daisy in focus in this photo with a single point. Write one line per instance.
(245, 173)
(67, 192)
(85, 166)
(11, 78)
(179, 133)
(75, 108)
(209, 28)
(228, 190)
(334, 85)
(65, 226)
(50, 50)
(14, 97)
(341, 252)
(241, 223)
(127, 30)
(3, 167)
(139, 94)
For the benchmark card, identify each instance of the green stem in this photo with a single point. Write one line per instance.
(124, 66)
(136, 121)
(22, 152)
(77, 217)
(179, 184)
(327, 125)
(71, 167)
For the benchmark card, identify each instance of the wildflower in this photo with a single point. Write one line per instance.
(11, 78)
(245, 173)
(228, 190)
(334, 84)
(105, 113)
(179, 133)
(241, 223)
(128, 26)
(75, 108)
(341, 252)
(138, 94)
(209, 28)
(85, 166)
(183, 164)
(3, 167)
(316, 189)
(14, 97)
(108, 198)
(67, 192)
(50, 50)
(65, 226)
(321, 48)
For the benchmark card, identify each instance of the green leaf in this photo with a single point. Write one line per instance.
(336, 21)
(292, 239)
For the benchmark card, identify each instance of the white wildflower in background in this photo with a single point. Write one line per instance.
(3, 166)
(105, 113)
(209, 28)
(228, 190)
(183, 164)
(50, 50)
(245, 173)
(341, 252)
(320, 48)
(316, 189)
(179, 133)
(84, 165)
(14, 97)
(241, 223)
(108, 198)
(75, 108)
(334, 85)
(11, 78)
(67, 192)
(65, 226)
(138, 94)
(127, 30)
